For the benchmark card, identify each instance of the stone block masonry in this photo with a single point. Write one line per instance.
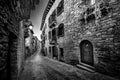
(11, 13)
(3, 50)
(97, 24)
(91, 33)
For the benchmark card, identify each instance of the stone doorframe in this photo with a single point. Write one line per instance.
(92, 56)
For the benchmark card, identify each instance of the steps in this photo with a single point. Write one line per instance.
(86, 67)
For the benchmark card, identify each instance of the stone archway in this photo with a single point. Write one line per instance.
(86, 52)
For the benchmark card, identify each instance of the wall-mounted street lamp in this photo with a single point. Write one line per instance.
(28, 28)
(31, 27)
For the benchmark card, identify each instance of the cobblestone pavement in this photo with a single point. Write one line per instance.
(42, 68)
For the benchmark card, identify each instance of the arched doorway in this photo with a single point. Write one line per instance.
(86, 52)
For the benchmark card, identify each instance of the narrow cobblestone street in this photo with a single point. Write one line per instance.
(59, 39)
(42, 68)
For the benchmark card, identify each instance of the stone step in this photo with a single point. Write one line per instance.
(86, 67)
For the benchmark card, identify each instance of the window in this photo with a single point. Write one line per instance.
(45, 36)
(45, 52)
(50, 51)
(91, 18)
(50, 35)
(105, 9)
(104, 12)
(90, 10)
(26, 32)
(55, 52)
(61, 55)
(60, 7)
(44, 39)
(52, 25)
(61, 52)
(52, 18)
(54, 34)
(82, 21)
(61, 30)
(86, 2)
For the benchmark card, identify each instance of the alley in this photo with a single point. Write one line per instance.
(42, 68)
(59, 39)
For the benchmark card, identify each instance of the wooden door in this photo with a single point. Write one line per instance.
(86, 50)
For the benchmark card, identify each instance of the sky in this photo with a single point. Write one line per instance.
(36, 17)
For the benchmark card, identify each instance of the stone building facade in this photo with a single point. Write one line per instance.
(30, 42)
(29, 45)
(84, 32)
(12, 17)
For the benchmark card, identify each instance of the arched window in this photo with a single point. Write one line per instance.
(61, 30)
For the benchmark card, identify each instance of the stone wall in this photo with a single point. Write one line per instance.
(9, 32)
(8, 50)
(3, 50)
(11, 13)
(12, 56)
(96, 24)
(100, 27)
